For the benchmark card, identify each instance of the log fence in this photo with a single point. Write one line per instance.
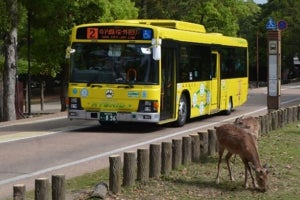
(161, 160)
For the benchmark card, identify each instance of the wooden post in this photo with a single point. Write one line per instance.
(176, 153)
(115, 174)
(166, 157)
(58, 187)
(267, 123)
(212, 140)
(298, 112)
(286, 116)
(155, 160)
(195, 147)
(42, 189)
(274, 118)
(143, 165)
(19, 192)
(280, 124)
(262, 125)
(282, 117)
(270, 121)
(186, 150)
(290, 115)
(203, 143)
(129, 169)
(295, 113)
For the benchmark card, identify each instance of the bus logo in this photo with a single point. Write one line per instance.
(109, 93)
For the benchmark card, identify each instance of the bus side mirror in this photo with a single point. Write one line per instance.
(69, 51)
(156, 45)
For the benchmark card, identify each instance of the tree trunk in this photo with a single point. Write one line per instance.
(1, 97)
(64, 87)
(10, 67)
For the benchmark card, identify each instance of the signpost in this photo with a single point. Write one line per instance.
(274, 62)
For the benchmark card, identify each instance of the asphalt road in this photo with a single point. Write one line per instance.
(52, 144)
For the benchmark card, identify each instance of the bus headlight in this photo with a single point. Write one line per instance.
(148, 106)
(74, 103)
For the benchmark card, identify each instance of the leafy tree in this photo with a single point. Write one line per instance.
(217, 15)
(290, 43)
(51, 25)
(3, 25)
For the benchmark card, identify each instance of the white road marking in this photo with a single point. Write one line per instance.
(34, 121)
(17, 178)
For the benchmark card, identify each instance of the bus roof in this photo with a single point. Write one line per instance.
(178, 30)
(173, 24)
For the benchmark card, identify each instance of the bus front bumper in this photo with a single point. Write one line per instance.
(120, 116)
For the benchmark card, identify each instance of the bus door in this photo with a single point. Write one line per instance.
(168, 85)
(215, 82)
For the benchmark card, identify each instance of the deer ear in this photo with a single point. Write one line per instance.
(266, 167)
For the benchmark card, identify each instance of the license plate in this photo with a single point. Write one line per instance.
(108, 116)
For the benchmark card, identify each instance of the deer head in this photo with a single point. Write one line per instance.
(261, 176)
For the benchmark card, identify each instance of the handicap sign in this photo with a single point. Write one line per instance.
(271, 24)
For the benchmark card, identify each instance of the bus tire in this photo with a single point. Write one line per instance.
(182, 111)
(229, 107)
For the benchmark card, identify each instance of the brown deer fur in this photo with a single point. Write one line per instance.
(250, 124)
(236, 141)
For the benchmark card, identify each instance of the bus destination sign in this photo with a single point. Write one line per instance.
(114, 33)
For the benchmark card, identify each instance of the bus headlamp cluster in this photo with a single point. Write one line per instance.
(74, 103)
(148, 106)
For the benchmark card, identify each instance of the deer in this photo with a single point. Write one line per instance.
(237, 141)
(250, 124)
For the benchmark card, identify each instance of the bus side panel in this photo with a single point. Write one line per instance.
(200, 96)
(237, 89)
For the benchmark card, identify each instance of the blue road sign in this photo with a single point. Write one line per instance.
(282, 25)
(271, 24)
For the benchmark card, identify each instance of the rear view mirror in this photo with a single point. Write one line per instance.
(156, 45)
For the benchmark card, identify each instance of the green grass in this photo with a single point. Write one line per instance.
(280, 149)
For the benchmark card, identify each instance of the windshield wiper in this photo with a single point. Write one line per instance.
(129, 85)
(93, 84)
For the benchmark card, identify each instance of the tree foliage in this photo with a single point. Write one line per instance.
(289, 11)
(217, 15)
(51, 23)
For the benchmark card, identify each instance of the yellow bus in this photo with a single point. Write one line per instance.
(154, 71)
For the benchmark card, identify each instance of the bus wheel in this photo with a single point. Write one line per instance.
(229, 107)
(182, 111)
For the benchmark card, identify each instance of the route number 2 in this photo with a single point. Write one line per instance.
(92, 33)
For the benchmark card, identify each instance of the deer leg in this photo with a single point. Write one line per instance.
(227, 157)
(221, 151)
(246, 174)
(253, 180)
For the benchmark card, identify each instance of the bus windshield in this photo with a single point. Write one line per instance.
(113, 63)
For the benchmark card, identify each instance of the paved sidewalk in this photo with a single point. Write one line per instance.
(52, 109)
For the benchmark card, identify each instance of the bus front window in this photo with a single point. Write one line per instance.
(113, 63)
